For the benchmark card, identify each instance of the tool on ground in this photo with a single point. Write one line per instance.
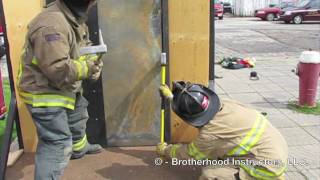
(163, 83)
(98, 49)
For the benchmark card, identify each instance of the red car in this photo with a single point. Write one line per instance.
(3, 108)
(306, 10)
(272, 13)
(218, 9)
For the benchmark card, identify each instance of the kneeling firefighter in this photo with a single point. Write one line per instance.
(50, 83)
(241, 137)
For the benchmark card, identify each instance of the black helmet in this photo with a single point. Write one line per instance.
(194, 103)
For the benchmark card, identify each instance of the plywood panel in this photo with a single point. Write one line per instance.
(189, 52)
(18, 13)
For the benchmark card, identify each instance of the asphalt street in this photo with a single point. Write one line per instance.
(253, 37)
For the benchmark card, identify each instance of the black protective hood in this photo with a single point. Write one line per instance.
(79, 8)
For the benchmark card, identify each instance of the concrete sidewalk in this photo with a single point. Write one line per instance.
(277, 86)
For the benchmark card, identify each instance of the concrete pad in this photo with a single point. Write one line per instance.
(290, 87)
(282, 80)
(219, 90)
(248, 98)
(224, 96)
(274, 97)
(281, 121)
(262, 87)
(272, 73)
(305, 157)
(313, 131)
(311, 173)
(115, 163)
(236, 87)
(268, 108)
(299, 118)
(294, 176)
(296, 136)
(303, 119)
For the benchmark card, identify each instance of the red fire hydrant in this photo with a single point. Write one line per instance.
(308, 71)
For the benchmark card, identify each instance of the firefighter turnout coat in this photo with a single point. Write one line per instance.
(51, 68)
(242, 136)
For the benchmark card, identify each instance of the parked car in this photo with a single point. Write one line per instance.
(3, 108)
(218, 9)
(227, 8)
(306, 10)
(272, 12)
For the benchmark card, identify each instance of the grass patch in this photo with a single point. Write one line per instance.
(293, 105)
(7, 97)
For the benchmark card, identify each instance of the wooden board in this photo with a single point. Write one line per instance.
(18, 14)
(189, 52)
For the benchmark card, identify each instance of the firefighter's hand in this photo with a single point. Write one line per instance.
(165, 92)
(95, 68)
(161, 149)
(97, 75)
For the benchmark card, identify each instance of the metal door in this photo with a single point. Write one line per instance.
(132, 31)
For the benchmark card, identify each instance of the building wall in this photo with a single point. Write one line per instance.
(247, 7)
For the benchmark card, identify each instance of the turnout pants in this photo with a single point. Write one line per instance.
(58, 129)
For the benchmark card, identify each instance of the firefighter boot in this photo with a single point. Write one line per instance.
(88, 149)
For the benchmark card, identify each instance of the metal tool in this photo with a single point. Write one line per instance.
(163, 82)
(98, 49)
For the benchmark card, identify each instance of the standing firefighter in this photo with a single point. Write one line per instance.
(50, 78)
(241, 137)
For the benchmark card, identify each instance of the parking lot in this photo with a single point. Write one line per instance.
(276, 47)
(253, 37)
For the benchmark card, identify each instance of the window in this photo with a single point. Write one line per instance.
(315, 4)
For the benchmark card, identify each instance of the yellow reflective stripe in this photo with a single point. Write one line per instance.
(79, 69)
(20, 65)
(78, 146)
(173, 152)
(82, 58)
(88, 58)
(49, 96)
(53, 104)
(47, 100)
(34, 61)
(262, 173)
(251, 138)
(86, 70)
(82, 68)
(194, 152)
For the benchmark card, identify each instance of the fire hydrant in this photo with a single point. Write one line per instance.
(308, 71)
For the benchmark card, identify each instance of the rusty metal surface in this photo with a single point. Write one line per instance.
(132, 31)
